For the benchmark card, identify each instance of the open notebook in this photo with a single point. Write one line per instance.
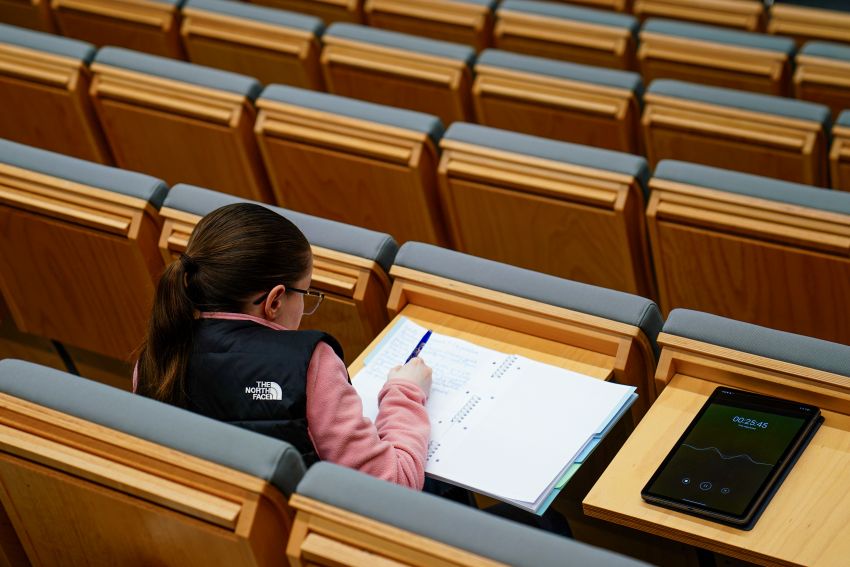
(501, 424)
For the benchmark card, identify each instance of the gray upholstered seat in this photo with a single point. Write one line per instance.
(753, 186)
(606, 303)
(264, 457)
(576, 13)
(113, 179)
(738, 99)
(329, 234)
(448, 522)
(382, 114)
(260, 14)
(47, 42)
(761, 341)
(179, 71)
(827, 49)
(403, 41)
(839, 5)
(561, 69)
(844, 119)
(719, 34)
(550, 149)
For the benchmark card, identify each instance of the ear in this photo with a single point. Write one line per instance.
(274, 302)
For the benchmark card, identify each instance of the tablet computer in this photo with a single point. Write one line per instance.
(732, 456)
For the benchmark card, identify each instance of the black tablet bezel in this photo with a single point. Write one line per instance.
(740, 398)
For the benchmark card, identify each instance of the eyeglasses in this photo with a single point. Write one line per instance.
(312, 299)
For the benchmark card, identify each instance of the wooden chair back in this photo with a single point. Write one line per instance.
(272, 45)
(399, 70)
(754, 133)
(765, 251)
(821, 74)
(810, 19)
(44, 83)
(558, 100)
(99, 476)
(32, 14)
(328, 10)
(180, 121)
(839, 155)
(748, 15)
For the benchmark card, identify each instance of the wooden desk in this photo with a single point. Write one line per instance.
(808, 520)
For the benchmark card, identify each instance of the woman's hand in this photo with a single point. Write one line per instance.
(415, 372)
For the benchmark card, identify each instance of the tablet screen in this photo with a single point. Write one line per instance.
(729, 453)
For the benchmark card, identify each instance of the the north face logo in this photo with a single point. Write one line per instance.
(265, 391)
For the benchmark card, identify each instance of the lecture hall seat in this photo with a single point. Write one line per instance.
(562, 31)
(350, 264)
(827, 20)
(78, 249)
(180, 121)
(568, 210)
(32, 14)
(96, 476)
(839, 155)
(559, 100)
(44, 83)
(754, 133)
(823, 74)
(328, 10)
(344, 517)
(741, 14)
(151, 26)
(399, 70)
(760, 250)
(271, 45)
(713, 55)
(461, 21)
(352, 161)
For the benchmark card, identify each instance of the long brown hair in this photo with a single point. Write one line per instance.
(234, 253)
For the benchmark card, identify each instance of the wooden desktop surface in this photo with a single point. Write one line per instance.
(806, 523)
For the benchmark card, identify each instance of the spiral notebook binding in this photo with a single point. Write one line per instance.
(504, 367)
(467, 407)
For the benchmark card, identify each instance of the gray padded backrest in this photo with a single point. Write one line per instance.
(718, 34)
(827, 49)
(449, 523)
(335, 104)
(260, 14)
(567, 12)
(753, 186)
(561, 69)
(761, 341)
(839, 5)
(179, 71)
(403, 41)
(261, 456)
(767, 104)
(47, 42)
(599, 301)
(129, 183)
(564, 152)
(844, 118)
(333, 235)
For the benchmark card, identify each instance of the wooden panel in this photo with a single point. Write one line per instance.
(804, 24)
(141, 25)
(560, 109)
(270, 53)
(744, 14)
(328, 10)
(447, 20)
(557, 38)
(616, 5)
(52, 110)
(839, 158)
(15, 344)
(398, 78)
(752, 142)
(33, 14)
(826, 81)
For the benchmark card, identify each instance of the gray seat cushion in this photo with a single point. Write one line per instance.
(599, 301)
(844, 118)
(179, 71)
(403, 41)
(563, 152)
(718, 34)
(767, 104)
(264, 457)
(576, 13)
(354, 240)
(753, 186)
(561, 69)
(761, 341)
(827, 49)
(335, 104)
(47, 42)
(838, 5)
(129, 183)
(260, 14)
(447, 522)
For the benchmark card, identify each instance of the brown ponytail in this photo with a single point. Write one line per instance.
(234, 253)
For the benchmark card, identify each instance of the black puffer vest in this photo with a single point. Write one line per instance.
(254, 377)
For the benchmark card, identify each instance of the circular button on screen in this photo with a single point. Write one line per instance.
(705, 486)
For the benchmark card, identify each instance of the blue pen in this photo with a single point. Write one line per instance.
(419, 347)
